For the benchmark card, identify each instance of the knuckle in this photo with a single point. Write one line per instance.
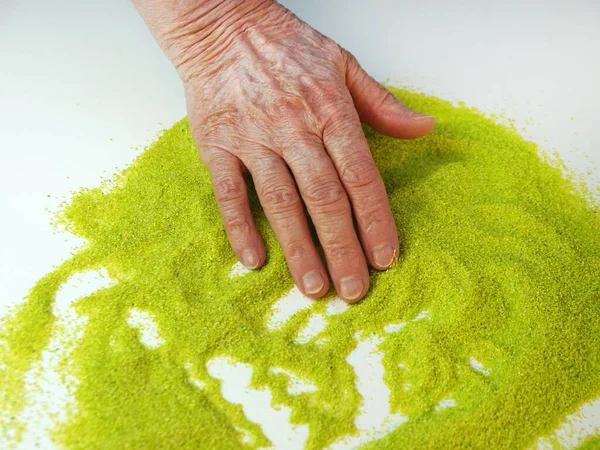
(217, 123)
(360, 173)
(325, 194)
(338, 251)
(229, 189)
(341, 123)
(283, 105)
(295, 251)
(386, 99)
(237, 228)
(329, 96)
(279, 198)
(311, 81)
(333, 47)
(343, 117)
(296, 144)
(372, 221)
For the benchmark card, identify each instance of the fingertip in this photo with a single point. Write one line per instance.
(262, 252)
(403, 125)
(250, 259)
(384, 256)
(353, 288)
(418, 117)
(314, 284)
(379, 108)
(424, 124)
(253, 257)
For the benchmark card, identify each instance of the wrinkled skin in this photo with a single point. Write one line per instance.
(268, 94)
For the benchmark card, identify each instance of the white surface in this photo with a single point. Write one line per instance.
(83, 82)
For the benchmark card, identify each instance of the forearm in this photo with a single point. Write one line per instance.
(190, 29)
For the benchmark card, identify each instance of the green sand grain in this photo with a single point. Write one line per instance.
(498, 247)
(592, 443)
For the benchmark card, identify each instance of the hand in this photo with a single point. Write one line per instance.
(268, 94)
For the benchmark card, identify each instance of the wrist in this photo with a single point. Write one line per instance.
(191, 32)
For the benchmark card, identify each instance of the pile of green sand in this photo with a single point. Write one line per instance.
(500, 249)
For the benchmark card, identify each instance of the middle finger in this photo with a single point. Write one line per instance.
(329, 208)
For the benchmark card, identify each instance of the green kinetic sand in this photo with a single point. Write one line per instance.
(500, 249)
(590, 444)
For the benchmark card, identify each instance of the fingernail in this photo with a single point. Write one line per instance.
(352, 287)
(384, 255)
(250, 258)
(419, 117)
(313, 282)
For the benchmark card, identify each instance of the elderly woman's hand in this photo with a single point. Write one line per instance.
(267, 93)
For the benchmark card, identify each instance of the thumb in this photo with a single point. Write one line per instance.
(380, 109)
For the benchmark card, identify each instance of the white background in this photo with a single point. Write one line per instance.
(82, 83)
